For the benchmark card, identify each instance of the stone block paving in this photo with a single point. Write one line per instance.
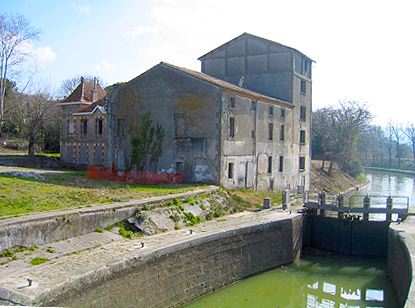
(93, 256)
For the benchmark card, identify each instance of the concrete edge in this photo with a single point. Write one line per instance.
(391, 170)
(404, 237)
(94, 208)
(42, 228)
(88, 279)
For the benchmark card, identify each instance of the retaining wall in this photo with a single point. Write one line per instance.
(38, 229)
(182, 272)
(401, 260)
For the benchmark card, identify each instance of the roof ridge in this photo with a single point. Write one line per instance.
(224, 84)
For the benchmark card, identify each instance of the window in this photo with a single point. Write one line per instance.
(302, 163)
(269, 164)
(71, 127)
(253, 105)
(281, 166)
(230, 171)
(252, 133)
(232, 102)
(270, 131)
(231, 127)
(271, 110)
(84, 126)
(179, 166)
(303, 88)
(121, 127)
(98, 126)
(302, 113)
(179, 125)
(282, 114)
(302, 136)
(282, 132)
(271, 184)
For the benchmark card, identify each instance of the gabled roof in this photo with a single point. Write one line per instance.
(244, 35)
(86, 91)
(228, 86)
(90, 109)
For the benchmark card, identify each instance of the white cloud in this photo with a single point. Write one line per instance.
(103, 66)
(141, 31)
(81, 8)
(44, 54)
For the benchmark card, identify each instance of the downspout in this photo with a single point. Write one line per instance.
(255, 144)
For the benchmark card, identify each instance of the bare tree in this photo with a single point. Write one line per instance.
(34, 111)
(409, 132)
(69, 85)
(15, 32)
(388, 141)
(397, 134)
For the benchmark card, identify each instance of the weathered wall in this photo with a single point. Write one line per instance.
(83, 149)
(169, 94)
(401, 261)
(277, 71)
(178, 273)
(47, 227)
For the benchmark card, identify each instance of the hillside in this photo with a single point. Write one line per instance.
(338, 181)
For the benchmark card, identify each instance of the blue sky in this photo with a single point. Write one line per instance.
(364, 50)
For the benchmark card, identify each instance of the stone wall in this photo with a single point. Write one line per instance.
(176, 274)
(401, 261)
(47, 227)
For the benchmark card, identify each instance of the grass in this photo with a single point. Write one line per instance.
(70, 189)
(13, 251)
(256, 197)
(38, 260)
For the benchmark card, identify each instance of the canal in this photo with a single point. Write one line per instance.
(322, 281)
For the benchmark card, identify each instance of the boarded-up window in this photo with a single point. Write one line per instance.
(302, 136)
(303, 87)
(271, 110)
(121, 127)
(230, 171)
(270, 131)
(269, 164)
(282, 132)
(302, 163)
(179, 166)
(71, 127)
(98, 156)
(231, 127)
(84, 126)
(98, 127)
(179, 125)
(282, 114)
(303, 113)
(83, 155)
(281, 166)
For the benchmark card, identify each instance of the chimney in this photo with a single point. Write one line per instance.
(95, 83)
(241, 81)
(82, 79)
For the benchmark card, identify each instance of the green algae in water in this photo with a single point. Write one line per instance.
(314, 281)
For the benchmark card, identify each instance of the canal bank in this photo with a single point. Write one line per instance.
(171, 269)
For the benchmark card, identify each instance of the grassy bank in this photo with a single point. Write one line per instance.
(335, 182)
(69, 189)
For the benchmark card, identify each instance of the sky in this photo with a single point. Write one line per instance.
(363, 50)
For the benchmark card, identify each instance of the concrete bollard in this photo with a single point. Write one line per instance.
(322, 201)
(340, 203)
(266, 203)
(286, 200)
(366, 205)
(389, 205)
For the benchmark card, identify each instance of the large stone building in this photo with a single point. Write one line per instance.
(244, 121)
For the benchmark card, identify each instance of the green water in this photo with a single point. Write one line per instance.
(314, 281)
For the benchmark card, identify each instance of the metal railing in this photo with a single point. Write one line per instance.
(370, 206)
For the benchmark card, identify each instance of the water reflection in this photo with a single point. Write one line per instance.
(313, 282)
